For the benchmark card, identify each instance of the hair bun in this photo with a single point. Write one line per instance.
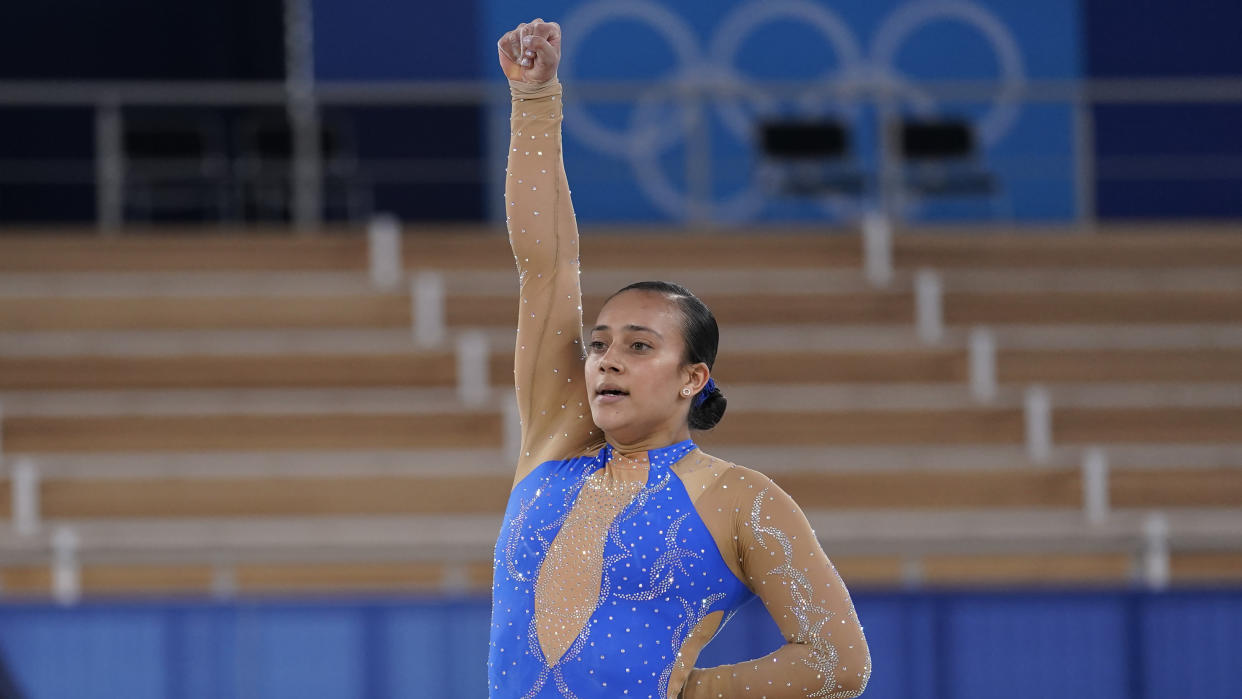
(706, 414)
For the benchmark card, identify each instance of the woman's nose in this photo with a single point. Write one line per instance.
(608, 362)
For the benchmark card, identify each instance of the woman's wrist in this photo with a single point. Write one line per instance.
(527, 90)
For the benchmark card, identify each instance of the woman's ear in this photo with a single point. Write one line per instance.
(696, 377)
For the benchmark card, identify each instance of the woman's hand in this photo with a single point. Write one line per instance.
(531, 52)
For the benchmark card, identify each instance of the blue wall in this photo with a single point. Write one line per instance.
(941, 645)
(1150, 161)
(1160, 161)
(383, 40)
(616, 174)
(380, 40)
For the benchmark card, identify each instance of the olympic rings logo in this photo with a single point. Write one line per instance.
(648, 136)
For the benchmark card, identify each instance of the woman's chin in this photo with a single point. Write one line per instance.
(616, 424)
(609, 421)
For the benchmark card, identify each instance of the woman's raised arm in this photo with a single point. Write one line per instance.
(548, 356)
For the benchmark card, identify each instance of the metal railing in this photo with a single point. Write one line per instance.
(109, 100)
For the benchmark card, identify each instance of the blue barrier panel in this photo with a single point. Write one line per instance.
(201, 647)
(1036, 646)
(932, 645)
(1191, 644)
(93, 651)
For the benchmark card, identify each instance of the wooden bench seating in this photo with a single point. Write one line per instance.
(412, 369)
(37, 434)
(862, 572)
(661, 247)
(1112, 246)
(258, 578)
(394, 310)
(439, 368)
(468, 247)
(448, 429)
(473, 494)
(84, 497)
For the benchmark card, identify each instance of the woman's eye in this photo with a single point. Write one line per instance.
(641, 346)
(596, 346)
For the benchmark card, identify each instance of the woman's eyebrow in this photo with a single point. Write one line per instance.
(632, 328)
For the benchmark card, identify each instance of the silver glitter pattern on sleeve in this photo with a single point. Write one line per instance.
(812, 618)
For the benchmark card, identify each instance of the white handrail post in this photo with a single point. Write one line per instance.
(303, 112)
(1156, 550)
(384, 248)
(928, 306)
(473, 382)
(66, 574)
(982, 365)
(877, 232)
(912, 572)
(25, 497)
(455, 577)
(427, 307)
(109, 167)
(1095, 485)
(1084, 163)
(223, 580)
(1038, 414)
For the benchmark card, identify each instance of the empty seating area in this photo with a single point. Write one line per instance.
(248, 412)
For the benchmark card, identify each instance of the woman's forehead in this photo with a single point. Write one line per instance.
(637, 307)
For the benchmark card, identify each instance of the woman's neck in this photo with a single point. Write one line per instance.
(640, 447)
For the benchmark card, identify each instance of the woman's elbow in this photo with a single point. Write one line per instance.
(844, 670)
(850, 686)
(851, 679)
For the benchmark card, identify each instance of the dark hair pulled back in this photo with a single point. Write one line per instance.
(701, 338)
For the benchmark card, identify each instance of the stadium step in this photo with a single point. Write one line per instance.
(476, 494)
(778, 425)
(869, 547)
(481, 247)
(427, 369)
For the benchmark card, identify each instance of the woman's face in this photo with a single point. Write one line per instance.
(634, 369)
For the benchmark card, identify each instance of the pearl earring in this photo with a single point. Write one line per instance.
(685, 391)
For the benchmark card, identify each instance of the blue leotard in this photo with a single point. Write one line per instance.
(662, 574)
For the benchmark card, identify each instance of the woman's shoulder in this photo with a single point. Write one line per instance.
(703, 473)
(725, 467)
(561, 466)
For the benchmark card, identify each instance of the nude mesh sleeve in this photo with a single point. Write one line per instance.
(825, 654)
(548, 353)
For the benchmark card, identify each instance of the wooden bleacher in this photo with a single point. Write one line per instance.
(393, 310)
(86, 498)
(425, 369)
(281, 349)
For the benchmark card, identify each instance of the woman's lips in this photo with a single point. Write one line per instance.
(607, 398)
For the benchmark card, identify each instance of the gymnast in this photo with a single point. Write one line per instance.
(624, 548)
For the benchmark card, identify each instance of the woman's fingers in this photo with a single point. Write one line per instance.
(536, 48)
(531, 51)
(517, 39)
(552, 33)
(509, 46)
(549, 31)
(508, 57)
(523, 31)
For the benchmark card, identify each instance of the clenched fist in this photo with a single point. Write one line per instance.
(531, 52)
